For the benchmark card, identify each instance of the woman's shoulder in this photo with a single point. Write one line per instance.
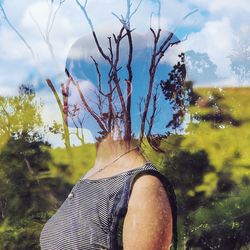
(150, 207)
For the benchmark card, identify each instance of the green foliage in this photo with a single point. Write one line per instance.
(227, 144)
(209, 167)
(223, 223)
(24, 236)
(83, 159)
(24, 199)
(19, 114)
(186, 171)
(28, 196)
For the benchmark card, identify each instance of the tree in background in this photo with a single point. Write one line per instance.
(200, 68)
(212, 202)
(186, 171)
(27, 193)
(19, 115)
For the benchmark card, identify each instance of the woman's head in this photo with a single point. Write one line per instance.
(124, 83)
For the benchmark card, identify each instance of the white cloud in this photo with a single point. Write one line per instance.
(71, 24)
(10, 46)
(215, 39)
(242, 5)
(9, 82)
(172, 54)
(237, 11)
(62, 34)
(222, 5)
(6, 90)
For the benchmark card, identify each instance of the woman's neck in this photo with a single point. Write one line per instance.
(117, 154)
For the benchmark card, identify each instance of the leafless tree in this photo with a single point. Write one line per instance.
(161, 44)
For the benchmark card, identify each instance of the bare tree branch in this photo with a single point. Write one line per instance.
(49, 26)
(152, 71)
(128, 130)
(83, 8)
(99, 76)
(135, 10)
(54, 15)
(111, 50)
(156, 57)
(113, 60)
(37, 25)
(126, 21)
(65, 127)
(93, 114)
(107, 95)
(100, 48)
(75, 113)
(16, 31)
(51, 85)
(164, 43)
(65, 95)
(184, 18)
(152, 118)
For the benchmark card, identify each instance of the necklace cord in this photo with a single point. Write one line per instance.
(115, 160)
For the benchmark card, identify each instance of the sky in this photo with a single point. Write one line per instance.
(210, 36)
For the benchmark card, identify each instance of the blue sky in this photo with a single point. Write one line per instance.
(215, 30)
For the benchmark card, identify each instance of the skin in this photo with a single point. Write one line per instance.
(107, 154)
(148, 222)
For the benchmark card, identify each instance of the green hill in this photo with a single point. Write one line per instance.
(224, 135)
(227, 144)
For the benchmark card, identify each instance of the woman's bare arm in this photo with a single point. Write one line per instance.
(148, 222)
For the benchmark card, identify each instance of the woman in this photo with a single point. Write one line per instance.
(94, 215)
(123, 202)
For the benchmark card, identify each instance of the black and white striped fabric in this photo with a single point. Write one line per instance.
(88, 218)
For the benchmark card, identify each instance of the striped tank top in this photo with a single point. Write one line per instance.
(92, 215)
